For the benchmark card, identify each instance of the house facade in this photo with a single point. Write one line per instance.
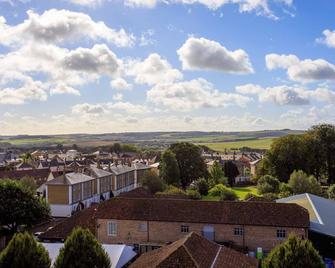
(242, 224)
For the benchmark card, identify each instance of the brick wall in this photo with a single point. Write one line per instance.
(161, 232)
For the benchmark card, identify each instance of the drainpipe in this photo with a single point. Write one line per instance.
(243, 232)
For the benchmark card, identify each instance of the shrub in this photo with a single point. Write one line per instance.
(331, 192)
(223, 192)
(152, 182)
(301, 183)
(270, 196)
(173, 190)
(248, 196)
(268, 184)
(202, 186)
(193, 194)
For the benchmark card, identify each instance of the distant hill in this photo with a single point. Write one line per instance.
(147, 139)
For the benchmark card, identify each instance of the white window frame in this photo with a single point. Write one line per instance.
(281, 234)
(184, 228)
(111, 231)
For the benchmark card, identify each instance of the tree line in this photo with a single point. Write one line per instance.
(312, 152)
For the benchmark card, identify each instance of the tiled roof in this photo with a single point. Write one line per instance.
(194, 251)
(40, 175)
(85, 219)
(224, 212)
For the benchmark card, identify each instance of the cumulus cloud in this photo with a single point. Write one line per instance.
(121, 84)
(30, 90)
(59, 26)
(328, 39)
(302, 70)
(64, 89)
(288, 95)
(154, 69)
(89, 3)
(193, 94)
(117, 97)
(204, 54)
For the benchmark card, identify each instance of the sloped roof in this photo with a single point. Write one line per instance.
(70, 178)
(99, 173)
(321, 211)
(120, 169)
(223, 212)
(194, 251)
(40, 175)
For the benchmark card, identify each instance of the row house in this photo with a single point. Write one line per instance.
(152, 222)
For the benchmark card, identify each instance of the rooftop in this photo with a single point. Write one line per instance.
(194, 251)
(70, 179)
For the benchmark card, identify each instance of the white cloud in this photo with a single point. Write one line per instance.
(328, 39)
(288, 95)
(302, 70)
(64, 89)
(154, 69)
(121, 84)
(117, 97)
(86, 108)
(59, 26)
(249, 89)
(146, 38)
(204, 54)
(89, 3)
(193, 94)
(30, 90)
(260, 7)
(98, 60)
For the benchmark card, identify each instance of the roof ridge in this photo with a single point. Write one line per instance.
(314, 208)
(189, 253)
(216, 256)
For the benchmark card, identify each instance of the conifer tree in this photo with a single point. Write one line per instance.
(24, 251)
(82, 250)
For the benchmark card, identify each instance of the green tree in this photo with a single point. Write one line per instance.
(301, 183)
(19, 207)
(331, 192)
(324, 135)
(202, 186)
(169, 169)
(191, 164)
(116, 148)
(29, 183)
(152, 181)
(293, 253)
(268, 184)
(231, 172)
(286, 155)
(23, 251)
(193, 194)
(82, 250)
(216, 173)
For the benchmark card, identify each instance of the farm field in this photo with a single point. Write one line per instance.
(255, 144)
(241, 192)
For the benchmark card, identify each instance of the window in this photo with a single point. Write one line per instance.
(76, 192)
(143, 227)
(238, 231)
(87, 189)
(281, 234)
(184, 228)
(111, 229)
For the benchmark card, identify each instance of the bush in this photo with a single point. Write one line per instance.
(248, 196)
(152, 181)
(270, 196)
(301, 183)
(331, 192)
(173, 190)
(193, 194)
(23, 251)
(268, 184)
(223, 192)
(202, 186)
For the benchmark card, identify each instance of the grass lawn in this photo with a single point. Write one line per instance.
(256, 144)
(241, 192)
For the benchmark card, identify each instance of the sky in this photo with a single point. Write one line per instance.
(100, 66)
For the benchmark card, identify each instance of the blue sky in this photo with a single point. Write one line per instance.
(93, 66)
